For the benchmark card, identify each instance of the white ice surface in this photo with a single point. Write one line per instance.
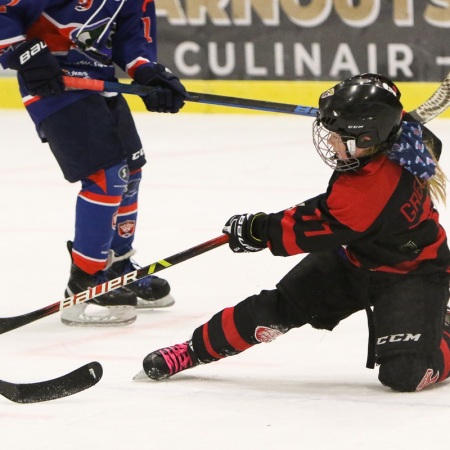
(307, 390)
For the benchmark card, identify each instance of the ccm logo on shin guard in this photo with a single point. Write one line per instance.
(403, 337)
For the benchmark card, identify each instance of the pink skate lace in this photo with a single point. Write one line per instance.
(177, 358)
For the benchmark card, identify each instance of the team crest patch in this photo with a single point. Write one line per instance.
(266, 334)
(83, 5)
(126, 229)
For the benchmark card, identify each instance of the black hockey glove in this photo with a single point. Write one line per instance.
(168, 95)
(240, 229)
(37, 67)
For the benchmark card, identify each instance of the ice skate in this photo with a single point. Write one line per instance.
(168, 361)
(151, 291)
(117, 307)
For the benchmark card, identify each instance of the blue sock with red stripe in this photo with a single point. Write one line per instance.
(97, 204)
(126, 216)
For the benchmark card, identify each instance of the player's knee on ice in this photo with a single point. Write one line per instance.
(403, 373)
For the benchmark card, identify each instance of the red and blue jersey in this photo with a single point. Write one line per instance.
(88, 37)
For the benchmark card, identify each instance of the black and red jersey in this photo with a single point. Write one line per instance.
(381, 217)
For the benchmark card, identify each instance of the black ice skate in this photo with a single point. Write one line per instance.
(168, 361)
(152, 291)
(117, 307)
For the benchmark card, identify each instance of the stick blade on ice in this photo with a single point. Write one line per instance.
(79, 380)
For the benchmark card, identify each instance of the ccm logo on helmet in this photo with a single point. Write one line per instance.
(403, 337)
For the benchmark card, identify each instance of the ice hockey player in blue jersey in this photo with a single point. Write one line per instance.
(93, 136)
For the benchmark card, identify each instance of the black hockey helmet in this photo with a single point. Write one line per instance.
(365, 107)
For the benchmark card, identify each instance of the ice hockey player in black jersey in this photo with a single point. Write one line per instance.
(373, 242)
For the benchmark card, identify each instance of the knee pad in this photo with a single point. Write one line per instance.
(405, 373)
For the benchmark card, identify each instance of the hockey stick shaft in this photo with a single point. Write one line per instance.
(71, 383)
(210, 99)
(11, 323)
(435, 105)
(431, 108)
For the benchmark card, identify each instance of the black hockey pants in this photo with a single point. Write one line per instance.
(322, 290)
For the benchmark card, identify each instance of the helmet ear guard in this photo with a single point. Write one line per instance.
(350, 145)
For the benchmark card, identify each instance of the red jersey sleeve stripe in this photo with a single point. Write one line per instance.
(288, 234)
(131, 68)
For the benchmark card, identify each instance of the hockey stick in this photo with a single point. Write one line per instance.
(431, 108)
(435, 105)
(80, 379)
(210, 99)
(11, 323)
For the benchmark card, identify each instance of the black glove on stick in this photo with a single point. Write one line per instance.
(168, 95)
(240, 228)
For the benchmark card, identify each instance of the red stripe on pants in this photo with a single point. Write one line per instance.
(446, 356)
(231, 333)
(207, 342)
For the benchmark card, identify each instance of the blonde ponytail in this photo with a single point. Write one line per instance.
(436, 185)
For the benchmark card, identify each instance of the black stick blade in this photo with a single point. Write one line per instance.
(69, 384)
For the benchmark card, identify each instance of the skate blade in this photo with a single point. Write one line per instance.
(141, 376)
(164, 302)
(83, 315)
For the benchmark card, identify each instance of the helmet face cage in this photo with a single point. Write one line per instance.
(321, 140)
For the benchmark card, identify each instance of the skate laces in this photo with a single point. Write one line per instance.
(128, 265)
(177, 358)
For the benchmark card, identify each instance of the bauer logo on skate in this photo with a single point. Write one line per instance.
(95, 291)
(402, 337)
